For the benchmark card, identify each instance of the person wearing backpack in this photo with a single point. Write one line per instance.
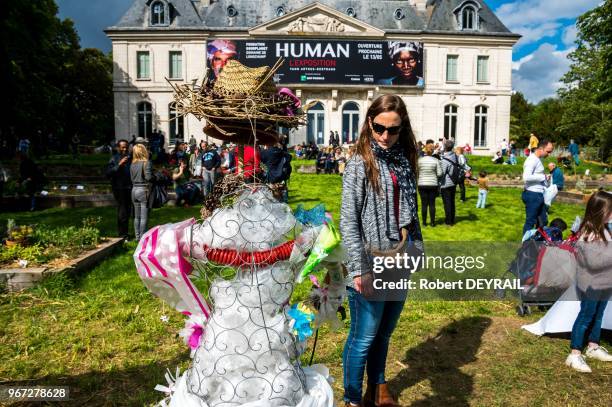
(463, 169)
(211, 161)
(450, 179)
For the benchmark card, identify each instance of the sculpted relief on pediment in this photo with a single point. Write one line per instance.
(318, 23)
(316, 19)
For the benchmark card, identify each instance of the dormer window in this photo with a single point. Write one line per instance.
(159, 13)
(351, 12)
(467, 16)
(280, 11)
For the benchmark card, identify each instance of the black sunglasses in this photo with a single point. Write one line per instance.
(380, 129)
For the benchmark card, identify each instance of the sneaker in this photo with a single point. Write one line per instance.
(577, 362)
(599, 353)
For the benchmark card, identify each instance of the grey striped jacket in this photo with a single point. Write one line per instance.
(430, 171)
(363, 218)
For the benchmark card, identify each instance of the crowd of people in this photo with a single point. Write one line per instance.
(192, 168)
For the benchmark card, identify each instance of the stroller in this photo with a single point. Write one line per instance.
(527, 266)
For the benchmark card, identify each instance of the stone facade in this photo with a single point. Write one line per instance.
(191, 24)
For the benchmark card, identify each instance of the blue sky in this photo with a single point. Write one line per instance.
(539, 58)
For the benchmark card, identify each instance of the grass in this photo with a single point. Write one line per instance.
(101, 333)
(479, 163)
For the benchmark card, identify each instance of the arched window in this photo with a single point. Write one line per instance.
(450, 122)
(350, 122)
(316, 124)
(145, 119)
(480, 126)
(176, 123)
(467, 17)
(159, 13)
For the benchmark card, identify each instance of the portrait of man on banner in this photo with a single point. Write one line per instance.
(218, 53)
(407, 63)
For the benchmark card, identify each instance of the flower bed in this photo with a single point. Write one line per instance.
(33, 245)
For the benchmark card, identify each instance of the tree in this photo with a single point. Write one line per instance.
(51, 84)
(520, 126)
(545, 119)
(587, 90)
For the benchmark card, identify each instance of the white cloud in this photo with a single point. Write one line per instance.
(537, 19)
(538, 75)
(569, 35)
(535, 33)
(531, 12)
(517, 64)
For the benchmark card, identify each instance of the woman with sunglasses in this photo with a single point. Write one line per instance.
(378, 215)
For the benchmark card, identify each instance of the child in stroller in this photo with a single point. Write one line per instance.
(554, 231)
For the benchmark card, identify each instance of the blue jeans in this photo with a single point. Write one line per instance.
(372, 323)
(208, 177)
(589, 318)
(535, 210)
(140, 199)
(482, 198)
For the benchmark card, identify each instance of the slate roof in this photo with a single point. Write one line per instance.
(191, 15)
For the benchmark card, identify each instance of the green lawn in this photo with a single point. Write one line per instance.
(480, 163)
(101, 333)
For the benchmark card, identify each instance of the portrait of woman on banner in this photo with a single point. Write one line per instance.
(407, 64)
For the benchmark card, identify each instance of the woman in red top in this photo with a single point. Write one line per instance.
(252, 160)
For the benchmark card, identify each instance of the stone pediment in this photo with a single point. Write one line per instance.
(316, 19)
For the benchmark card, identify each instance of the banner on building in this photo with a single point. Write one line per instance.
(320, 61)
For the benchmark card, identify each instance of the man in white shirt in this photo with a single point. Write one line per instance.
(535, 182)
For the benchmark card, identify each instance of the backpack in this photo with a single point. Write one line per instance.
(456, 172)
(282, 171)
(208, 161)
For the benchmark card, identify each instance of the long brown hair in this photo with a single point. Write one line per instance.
(598, 211)
(386, 103)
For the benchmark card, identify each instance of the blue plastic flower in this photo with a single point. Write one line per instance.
(313, 217)
(302, 318)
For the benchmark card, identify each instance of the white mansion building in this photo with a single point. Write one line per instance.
(467, 63)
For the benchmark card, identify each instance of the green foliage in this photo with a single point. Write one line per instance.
(54, 86)
(519, 118)
(57, 285)
(587, 91)
(43, 243)
(9, 254)
(68, 237)
(545, 119)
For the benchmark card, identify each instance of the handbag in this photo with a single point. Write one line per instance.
(556, 267)
(550, 193)
(157, 193)
(157, 196)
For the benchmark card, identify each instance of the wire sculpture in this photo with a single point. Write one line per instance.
(246, 257)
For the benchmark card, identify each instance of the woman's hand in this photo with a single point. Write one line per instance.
(363, 284)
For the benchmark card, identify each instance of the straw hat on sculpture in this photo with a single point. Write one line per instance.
(242, 105)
